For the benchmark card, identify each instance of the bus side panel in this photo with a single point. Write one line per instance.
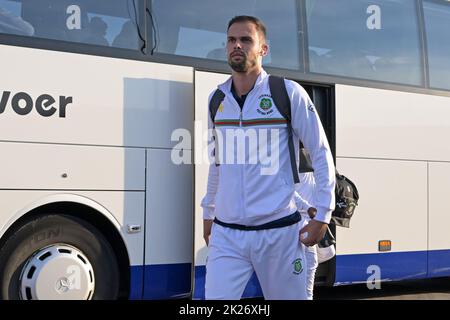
(169, 225)
(390, 144)
(385, 124)
(65, 98)
(439, 219)
(68, 167)
(91, 100)
(126, 208)
(392, 206)
(383, 145)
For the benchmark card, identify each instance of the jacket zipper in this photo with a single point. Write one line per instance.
(242, 184)
(242, 170)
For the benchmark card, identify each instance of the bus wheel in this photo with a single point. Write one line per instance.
(58, 257)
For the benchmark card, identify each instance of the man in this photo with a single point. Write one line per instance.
(256, 223)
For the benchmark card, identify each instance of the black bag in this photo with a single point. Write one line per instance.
(346, 194)
(347, 197)
(305, 164)
(328, 239)
(326, 248)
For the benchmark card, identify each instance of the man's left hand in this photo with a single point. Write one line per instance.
(314, 232)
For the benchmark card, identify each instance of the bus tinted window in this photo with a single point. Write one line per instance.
(437, 24)
(10, 20)
(369, 39)
(100, 22)
(198, 28)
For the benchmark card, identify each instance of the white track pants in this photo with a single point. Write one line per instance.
(312, 263)
(276, 255)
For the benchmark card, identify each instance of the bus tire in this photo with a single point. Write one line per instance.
(54, 245)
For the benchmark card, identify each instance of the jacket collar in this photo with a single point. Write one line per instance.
(226, 86)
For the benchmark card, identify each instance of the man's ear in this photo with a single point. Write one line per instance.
(264, 50)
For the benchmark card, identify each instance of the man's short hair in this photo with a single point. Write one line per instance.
(260, 27)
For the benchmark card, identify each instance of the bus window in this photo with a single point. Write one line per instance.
(437, 24)
(369, 39)
(197, 28)
(100, 22)
(10, 20)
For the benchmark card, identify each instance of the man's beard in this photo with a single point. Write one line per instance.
(240, 66)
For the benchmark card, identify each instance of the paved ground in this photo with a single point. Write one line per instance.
(434, 289)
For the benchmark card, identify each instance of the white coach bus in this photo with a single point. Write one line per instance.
(93, 93)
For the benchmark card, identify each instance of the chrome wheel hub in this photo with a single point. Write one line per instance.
(57, 272)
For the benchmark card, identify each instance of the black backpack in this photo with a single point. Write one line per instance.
(347, 197)
(346, 193)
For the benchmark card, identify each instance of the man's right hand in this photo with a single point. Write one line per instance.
(207, 225)
(313, 232)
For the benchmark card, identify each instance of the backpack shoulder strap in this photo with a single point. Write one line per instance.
(215, 102)
(283, 103)
(280, 96)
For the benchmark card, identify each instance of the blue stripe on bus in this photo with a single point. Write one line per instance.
(253, 289)
(173, 280)
(167, 281)
(393, 266)
(136, 282)
(439, 263)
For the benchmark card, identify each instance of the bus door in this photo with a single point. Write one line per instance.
(323, 99)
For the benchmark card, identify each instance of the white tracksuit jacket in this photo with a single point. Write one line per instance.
(249, 193)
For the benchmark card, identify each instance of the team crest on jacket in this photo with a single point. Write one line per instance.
(298, 267)
(265, 105)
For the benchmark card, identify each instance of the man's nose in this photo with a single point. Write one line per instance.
(237, 45)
